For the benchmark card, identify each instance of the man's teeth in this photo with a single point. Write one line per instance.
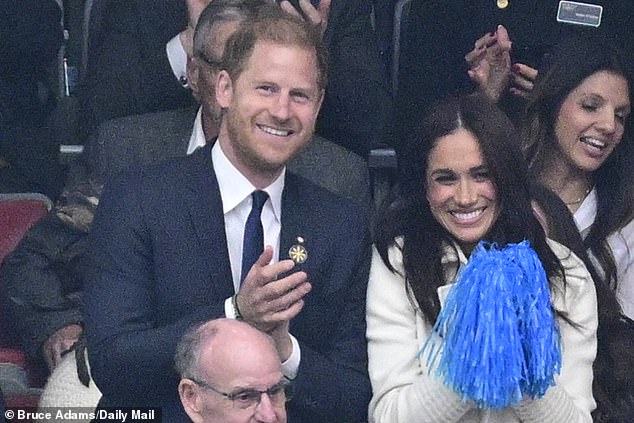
(470, 215)
(593, 142)
(273, 131)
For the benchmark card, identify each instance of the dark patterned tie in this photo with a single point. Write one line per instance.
(253, 242)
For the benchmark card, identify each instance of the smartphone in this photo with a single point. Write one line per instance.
(531, 55)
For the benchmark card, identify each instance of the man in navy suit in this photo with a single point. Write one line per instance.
(167, 244)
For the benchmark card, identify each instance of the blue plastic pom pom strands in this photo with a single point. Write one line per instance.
(495, 339)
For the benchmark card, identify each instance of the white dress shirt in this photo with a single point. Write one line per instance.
(235, 191)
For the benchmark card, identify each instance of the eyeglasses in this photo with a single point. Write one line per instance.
(213, 63)
(248, 398)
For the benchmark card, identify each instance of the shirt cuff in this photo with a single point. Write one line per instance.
(291, 365)
(230, 312)
(178, 59)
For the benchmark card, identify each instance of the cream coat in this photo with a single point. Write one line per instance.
(404, 392)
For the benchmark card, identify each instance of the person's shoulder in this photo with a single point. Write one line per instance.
(627, 232)
(324, 206)
(199, 160)
(577, 278)
(166, 176)
(313, 193)
(567, 258)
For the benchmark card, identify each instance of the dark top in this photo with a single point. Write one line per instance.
(442, 32)
(30, 37)
(129, 72)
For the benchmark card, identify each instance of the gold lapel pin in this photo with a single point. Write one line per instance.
(298, 252)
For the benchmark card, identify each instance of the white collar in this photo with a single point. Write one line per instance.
(197, 138)
(586, 213)
(235, 187)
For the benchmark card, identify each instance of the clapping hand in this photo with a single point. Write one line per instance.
(491, 68)
(490, 63)
(270, 303)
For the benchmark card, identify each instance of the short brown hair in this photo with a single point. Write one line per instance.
(275, 26)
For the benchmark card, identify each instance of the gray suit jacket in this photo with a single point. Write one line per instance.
(125, 143)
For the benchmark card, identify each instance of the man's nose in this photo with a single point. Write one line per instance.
(265, 411)
(281, 109)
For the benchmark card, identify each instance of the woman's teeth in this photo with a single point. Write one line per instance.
(467, 216)
(593, 142)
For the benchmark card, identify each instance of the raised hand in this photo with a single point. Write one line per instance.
(490, 63)
(270, 303)
(522, 80)
(316, 16)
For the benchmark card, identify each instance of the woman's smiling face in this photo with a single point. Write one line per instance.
(461, 194)
(591, 120)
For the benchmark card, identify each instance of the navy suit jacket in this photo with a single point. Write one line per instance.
(161, 265)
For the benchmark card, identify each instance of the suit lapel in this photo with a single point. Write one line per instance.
(293, 216)
(204, 203)
(299, 219)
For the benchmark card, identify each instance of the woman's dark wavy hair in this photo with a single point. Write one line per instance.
(570, 63)
(613, 382)
(406, 213)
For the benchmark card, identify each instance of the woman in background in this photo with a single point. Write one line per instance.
(578, 142)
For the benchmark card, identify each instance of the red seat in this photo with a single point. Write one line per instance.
(18, 212)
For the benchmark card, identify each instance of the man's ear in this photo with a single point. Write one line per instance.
(321, 100)
(224, 89)
(193, 73)
(191, 401)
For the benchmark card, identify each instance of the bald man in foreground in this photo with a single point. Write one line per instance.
(230, 373)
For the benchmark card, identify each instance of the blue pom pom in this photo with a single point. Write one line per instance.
(495, 339)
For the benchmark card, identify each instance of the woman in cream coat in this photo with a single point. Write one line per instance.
(463, 181)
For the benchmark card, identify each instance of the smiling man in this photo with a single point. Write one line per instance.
(211, 235)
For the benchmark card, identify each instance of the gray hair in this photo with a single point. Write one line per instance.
(189, 347)
(219, 12)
